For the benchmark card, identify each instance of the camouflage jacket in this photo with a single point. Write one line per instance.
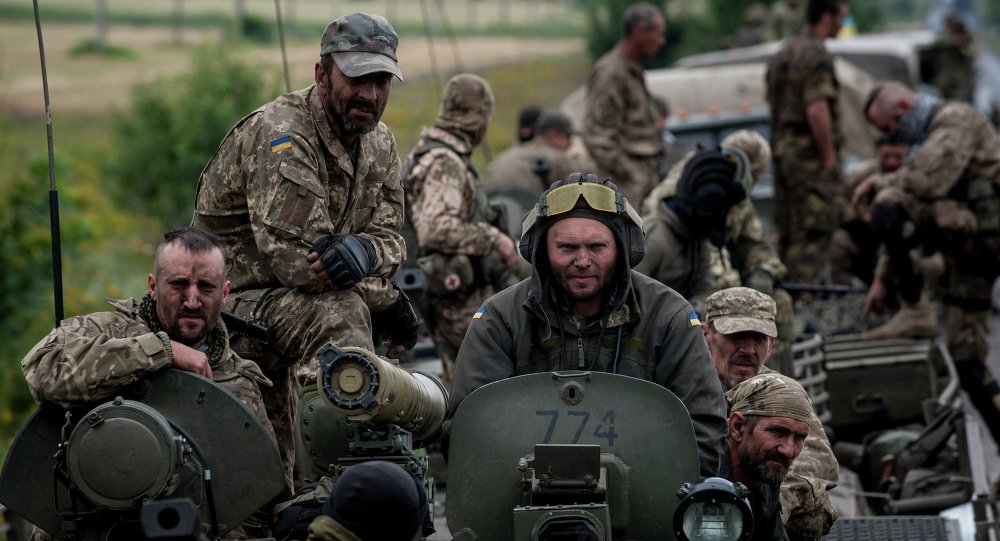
(446, 205)
(88, 358)
(675, 258)
(529, 166)
(619, 124)
(519, 332)
(746, 241)
(806, 508)
(324, 528)
(281, 179)
(765, 506)
(800, 73)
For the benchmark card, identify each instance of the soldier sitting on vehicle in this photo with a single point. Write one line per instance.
(533, 165)
(584, 308)
(175, 324)
(372, 501)
(740, 330)
(677, 254)
(769, 416)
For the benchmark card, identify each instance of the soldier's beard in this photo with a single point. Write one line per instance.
(765, 471)
(349, 125)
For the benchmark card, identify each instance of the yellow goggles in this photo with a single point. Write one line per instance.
(564, 198)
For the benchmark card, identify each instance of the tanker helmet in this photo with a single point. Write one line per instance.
(584, 196)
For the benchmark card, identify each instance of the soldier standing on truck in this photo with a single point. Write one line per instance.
(304, 195)
(949, 189)
(740, 331)
(805, 137)
(450, 214)
(619, 123)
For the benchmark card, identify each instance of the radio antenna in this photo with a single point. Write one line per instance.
(57, 288)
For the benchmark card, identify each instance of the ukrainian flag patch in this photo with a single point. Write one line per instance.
(479, 313)
(281, 143)
(693, 320)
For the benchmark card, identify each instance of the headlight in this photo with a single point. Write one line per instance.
(713, 509)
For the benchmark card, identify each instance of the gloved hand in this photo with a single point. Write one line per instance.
(346, 259)
(762, 281)
(398, 323)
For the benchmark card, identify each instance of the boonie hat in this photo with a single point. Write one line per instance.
(362, 43)
(739, 309)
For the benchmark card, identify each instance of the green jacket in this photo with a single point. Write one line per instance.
(520, 331)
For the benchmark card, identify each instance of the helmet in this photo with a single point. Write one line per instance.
(711, 183)
(586, 197)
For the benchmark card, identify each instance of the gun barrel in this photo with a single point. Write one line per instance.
(368, 389)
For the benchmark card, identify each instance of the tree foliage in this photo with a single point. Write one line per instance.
(173, 128)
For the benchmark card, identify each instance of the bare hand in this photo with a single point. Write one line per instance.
(190, 359)
(507, 250)
(395, 350)
(874, 300)
(861, 190)
(317, 269)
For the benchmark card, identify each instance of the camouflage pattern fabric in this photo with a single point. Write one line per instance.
(746, 241)
(675, 258)
(954, 59)
(280, 180)
(447, 206)
(362, 43)
(88, 358)
(619, 125)
(808, 198)
(530, 166)
(741, 309)
(806, 508)
(784, 20)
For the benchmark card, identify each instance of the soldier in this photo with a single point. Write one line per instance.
(584, 308)
(527, 119)
(953, 58)
(769, 417)
(740, 331)
(754, 28)
(304, 194)
(948, 188)
(450, 215)
(373, 501)
(677, 254)
(805, 136)
(854, 250)
(747, 255)
(619, 123)
(533, 165)
(175, 324)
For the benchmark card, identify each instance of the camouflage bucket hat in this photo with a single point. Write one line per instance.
(362, 43)
(740, 309)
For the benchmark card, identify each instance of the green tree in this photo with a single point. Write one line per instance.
(173, 128)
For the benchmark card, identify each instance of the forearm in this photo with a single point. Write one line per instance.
(821, 126)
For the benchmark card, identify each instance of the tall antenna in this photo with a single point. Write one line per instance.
(57, 288)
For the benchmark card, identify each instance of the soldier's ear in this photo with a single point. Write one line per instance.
(225, 290)
(151, 283)
(320, 75)
(736, 423)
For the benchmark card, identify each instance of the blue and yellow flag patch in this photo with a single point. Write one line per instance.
(479, 313)
(281, 143)
(693, 320)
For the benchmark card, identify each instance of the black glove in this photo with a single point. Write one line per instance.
(346, 258)
(398, 323)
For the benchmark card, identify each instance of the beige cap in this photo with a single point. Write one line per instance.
(739, 309)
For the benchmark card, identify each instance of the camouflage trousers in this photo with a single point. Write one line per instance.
(967, 332)
(808, 203)
(451, 316)
(298, 325)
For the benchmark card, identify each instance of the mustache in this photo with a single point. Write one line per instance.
(779, 458)
(742, 357)
(191, 313)
(362, 105)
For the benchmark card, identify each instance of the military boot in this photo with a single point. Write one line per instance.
(913, 320)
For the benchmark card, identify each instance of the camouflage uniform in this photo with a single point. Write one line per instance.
(279, 181)
(530, 166)
(619, 125)
(324, 528)
(448, 210)
(953, 57)
(807, 198)
(950, 181)
(852, 247)
(675, 257)
(89, 358)
(784, 20)
(745, 236)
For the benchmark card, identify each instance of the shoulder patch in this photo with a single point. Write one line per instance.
(479, 313)
(693, 319)
(281, 143)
